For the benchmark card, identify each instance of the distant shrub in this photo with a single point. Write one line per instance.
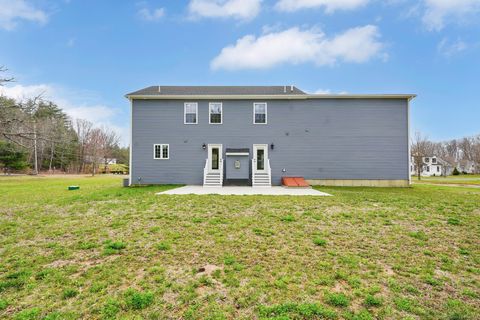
(69, 293)
(337, 299)
(320, 242)
(137, 300)
(456, 172)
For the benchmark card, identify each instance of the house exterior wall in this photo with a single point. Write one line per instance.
(242, 172)
(328, 139)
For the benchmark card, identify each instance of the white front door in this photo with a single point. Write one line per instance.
(260, 157)
(214, 157)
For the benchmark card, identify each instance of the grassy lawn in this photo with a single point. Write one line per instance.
(107, 252)
(470, 179)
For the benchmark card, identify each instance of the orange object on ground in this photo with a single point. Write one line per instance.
(294, 182)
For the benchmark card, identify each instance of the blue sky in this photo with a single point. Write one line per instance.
(87, 54)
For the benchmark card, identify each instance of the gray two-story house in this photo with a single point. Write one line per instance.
(255, 135)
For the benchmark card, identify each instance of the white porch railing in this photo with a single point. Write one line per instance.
(213, 178)
(205, 172)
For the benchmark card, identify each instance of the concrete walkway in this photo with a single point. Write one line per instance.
(271, 191)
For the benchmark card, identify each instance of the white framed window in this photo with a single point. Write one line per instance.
(215, 113)
(161, 151)
(190, 113)
(260, 113)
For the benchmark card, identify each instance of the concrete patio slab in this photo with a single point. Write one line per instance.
(271, 191)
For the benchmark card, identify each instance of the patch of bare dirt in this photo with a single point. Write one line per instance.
(208, 269)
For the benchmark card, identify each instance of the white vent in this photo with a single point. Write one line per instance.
(159, 89)
(291, 88)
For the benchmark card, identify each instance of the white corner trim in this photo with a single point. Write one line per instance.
(130, 163)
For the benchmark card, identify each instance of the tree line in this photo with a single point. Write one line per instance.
(36, 133)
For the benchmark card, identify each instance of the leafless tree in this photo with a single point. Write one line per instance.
(4, 80)
(83, 129)
(421, 148)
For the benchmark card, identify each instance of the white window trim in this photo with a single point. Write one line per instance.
(266, 112)
(161, 151)
(185, 112)
(210, 113)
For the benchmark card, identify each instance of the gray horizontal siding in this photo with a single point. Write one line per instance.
(316, 139)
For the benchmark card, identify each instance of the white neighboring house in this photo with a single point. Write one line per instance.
(432, 166)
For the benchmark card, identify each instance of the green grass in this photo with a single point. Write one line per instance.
(107, 252)
(463, 179)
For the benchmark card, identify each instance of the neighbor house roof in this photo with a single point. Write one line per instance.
(246, 92)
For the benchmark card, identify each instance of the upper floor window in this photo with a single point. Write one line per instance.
(427, 159)
(215, 112)
(434, 160)
(191, 113)
(260, 113)
(161, 151)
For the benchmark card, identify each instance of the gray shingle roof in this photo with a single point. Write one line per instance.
(217, 90)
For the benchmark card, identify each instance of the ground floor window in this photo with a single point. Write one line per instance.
(161, 151)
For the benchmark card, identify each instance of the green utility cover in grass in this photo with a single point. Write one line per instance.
(73, 187)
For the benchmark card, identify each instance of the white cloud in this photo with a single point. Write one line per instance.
(328, 91)
(439, 12)
(450, 48)
(329, 5)
(78, 105)
(237, 9)
(295, 46)
(151, 15)
(11, 11)
(323, 91)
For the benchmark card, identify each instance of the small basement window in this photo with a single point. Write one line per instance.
(260, 113)
(190, 113)
(215, 112)
(161, 151)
